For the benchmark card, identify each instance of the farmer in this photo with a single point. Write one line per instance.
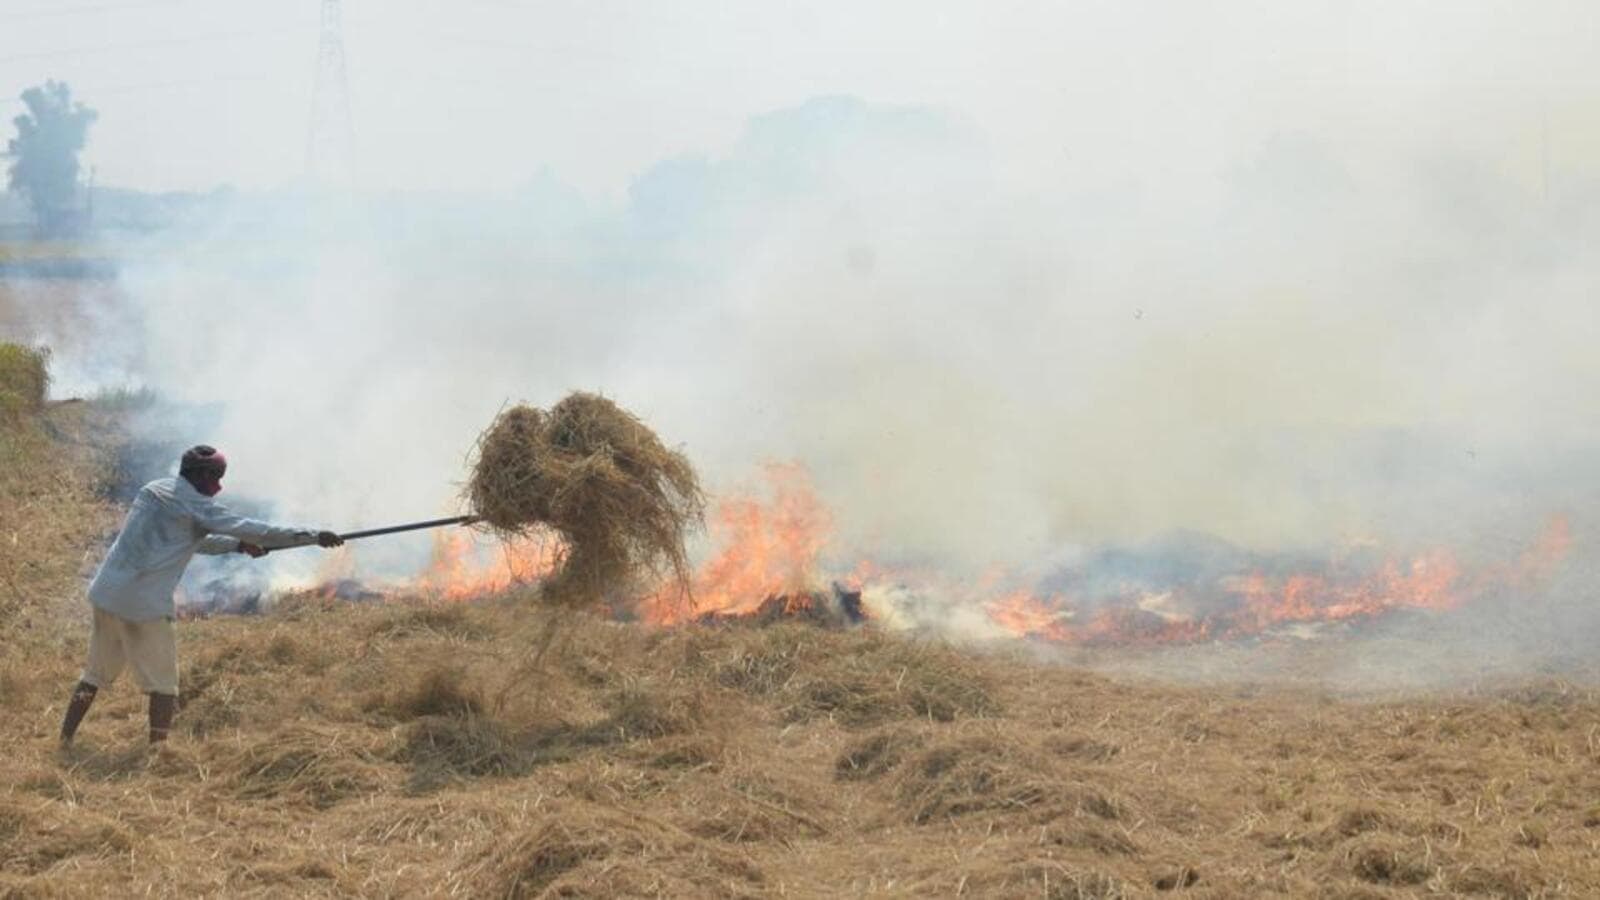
(171, 520)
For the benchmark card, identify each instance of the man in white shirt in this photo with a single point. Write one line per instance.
(172, 519)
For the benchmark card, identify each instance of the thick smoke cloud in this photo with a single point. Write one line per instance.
(1316, 351)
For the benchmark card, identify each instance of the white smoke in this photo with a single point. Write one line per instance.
(1305, 348)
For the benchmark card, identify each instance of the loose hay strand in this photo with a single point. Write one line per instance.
(620, 499)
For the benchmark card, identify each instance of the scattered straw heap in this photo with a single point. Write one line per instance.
(621, 501)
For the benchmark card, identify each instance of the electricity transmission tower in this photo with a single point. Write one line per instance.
(330, 147)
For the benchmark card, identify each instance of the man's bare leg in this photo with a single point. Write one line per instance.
(77, 707)
(162, 708)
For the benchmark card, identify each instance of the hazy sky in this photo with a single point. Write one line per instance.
(194, 93)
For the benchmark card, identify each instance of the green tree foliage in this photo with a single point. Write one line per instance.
(44, 154)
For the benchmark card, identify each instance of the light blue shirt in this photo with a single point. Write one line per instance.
(170, 522)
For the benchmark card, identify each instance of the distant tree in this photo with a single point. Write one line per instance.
(44, 154)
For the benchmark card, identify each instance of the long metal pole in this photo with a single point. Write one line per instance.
(391, 529)
(409, 526)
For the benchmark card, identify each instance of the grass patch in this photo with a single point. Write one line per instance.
(639, 711)
(874, 679)
(315, 767)
(24, 381)
(873, 756)
(1384, 860)
(52, 520)
(1081, 749)
(980, 774)
(442, 748)
(448, 620)
(438, 691)
(37, 839)
(585, 850)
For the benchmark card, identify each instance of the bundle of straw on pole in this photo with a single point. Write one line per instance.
(621, 501)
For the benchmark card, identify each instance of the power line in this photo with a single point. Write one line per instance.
(568, 50)
(81, 10)
(87, 93)
(163, 42)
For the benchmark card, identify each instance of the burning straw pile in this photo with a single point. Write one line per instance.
(621, 501)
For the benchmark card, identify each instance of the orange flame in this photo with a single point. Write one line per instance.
(1026, 615)
(1433, 581)
(768, 547)
(1054, 619)
(463, 567)
(1539, 561)
(770, 543)
(1426, 582)
(337, 564)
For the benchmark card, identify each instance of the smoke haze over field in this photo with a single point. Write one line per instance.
(1291, 275)
(972, 374)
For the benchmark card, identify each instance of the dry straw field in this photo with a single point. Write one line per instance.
(416, 748)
